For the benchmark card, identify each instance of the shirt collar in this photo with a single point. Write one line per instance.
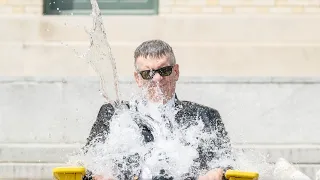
(155, 109)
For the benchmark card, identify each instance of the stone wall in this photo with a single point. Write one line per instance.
(204, 45)
(18, 7)
(238, 6)
(167, 7)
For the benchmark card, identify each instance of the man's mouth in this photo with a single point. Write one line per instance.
(156, 85)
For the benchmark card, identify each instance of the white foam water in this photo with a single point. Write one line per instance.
(285, 171)
(100, 57)
(174, 148)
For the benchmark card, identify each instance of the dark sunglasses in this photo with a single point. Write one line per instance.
(148, 74)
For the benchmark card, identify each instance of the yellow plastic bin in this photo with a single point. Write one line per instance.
(77, 173)
(69, 173)
(241, 175)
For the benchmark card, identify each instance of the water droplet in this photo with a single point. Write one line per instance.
(58, 9)
(47, 30)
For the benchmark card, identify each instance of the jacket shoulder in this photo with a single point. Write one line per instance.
(199, 107)
(209, 116)
(112, 106)
(107, 110)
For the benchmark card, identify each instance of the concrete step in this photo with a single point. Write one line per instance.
(195, 59)
(24, 171)
(213, 28)
(21, 171)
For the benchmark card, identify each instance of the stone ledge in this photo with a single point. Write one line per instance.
(27, 170)
(57, 153)
(301, 154)
(182, 80)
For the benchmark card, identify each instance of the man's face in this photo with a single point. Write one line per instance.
(157, 77)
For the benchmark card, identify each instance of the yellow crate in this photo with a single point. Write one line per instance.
(241, 175)
(69, 173)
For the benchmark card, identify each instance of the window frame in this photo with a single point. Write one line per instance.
(122, 10)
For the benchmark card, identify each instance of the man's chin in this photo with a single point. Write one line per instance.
(156, 99)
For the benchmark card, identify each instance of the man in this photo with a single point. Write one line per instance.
(157, 73)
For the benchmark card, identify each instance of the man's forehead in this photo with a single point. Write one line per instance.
(152, 61)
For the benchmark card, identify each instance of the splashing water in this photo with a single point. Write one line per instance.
(174, 148)
(100, 57)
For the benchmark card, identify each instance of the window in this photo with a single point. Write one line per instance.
(107, 7)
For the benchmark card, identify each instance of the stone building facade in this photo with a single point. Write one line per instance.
(256, 61)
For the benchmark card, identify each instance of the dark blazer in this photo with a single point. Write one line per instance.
(210, 117)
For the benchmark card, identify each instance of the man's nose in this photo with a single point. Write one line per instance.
(156, 77)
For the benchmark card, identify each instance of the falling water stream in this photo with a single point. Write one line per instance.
(100, 57)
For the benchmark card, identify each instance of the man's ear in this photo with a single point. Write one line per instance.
(138, 79)
(176, 72)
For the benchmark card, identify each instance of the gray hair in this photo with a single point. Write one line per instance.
(154, 49)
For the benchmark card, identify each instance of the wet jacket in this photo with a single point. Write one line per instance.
(186, 110)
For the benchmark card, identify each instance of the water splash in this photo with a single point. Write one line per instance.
(286, 171)
(318, 175)
(100, 57)
(174, 148)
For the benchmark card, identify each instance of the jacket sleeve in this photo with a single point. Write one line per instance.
(219, 150)
(99, 131)
(215, 149)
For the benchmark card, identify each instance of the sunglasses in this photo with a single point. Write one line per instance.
(148, 74)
